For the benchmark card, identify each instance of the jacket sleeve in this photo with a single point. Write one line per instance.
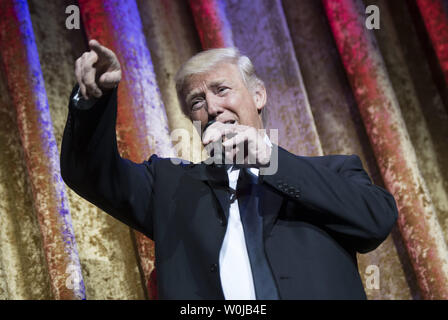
(340, 197)
(92, 166)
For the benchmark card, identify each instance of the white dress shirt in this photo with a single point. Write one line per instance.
(234, 264)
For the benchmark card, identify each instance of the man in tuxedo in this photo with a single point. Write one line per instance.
(226, 231)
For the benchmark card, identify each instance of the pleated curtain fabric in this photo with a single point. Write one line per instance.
(335, 86)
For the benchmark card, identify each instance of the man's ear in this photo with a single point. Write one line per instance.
(260, 97)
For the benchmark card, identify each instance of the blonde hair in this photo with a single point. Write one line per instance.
(206, 60)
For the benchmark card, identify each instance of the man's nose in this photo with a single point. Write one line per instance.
(214, 106)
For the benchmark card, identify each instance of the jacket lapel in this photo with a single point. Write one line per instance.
(270, 204)
(216, 177)
(218, 180)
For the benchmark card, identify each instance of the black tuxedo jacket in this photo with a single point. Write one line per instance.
(317, 211)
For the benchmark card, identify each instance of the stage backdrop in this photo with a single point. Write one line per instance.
(335, 86)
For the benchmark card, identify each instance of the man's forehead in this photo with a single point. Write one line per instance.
(223, 72)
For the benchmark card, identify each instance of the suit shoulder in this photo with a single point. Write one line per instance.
(155, 160)
(335, 161)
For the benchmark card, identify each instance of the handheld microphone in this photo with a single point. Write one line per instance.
(212, 152)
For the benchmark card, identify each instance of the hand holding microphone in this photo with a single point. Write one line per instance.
(214, 136)
(238, 144)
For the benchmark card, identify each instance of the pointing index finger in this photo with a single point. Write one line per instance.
(100, 50)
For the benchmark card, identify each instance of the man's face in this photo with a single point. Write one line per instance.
(221, 95)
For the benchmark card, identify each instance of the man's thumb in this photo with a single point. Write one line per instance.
(103, 78)
(109, 80)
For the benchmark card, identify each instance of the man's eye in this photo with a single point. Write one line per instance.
(196, 105)
(222, 89)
